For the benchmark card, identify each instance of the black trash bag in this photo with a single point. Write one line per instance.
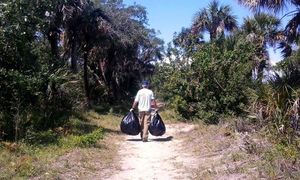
(157, 126)
(130, 124)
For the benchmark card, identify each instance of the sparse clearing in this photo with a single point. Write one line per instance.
(186, 151)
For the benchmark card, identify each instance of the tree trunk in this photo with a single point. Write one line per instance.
(260, 69)
(73, 57)
(86, 79)
(53, 40)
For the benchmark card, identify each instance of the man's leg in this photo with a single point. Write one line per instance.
(141, 118)
(146, 122)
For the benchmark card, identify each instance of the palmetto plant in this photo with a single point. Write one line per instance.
(277, 103)
(215, 20)
(277, 106)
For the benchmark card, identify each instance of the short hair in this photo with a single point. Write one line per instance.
(145, 83)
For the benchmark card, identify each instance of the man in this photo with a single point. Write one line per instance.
(144, 99)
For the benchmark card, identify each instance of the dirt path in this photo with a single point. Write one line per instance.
(160, 158)
(186, 151)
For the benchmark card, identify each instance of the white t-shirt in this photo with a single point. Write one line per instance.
(144, 97)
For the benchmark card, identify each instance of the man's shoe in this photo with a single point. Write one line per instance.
(145, 140)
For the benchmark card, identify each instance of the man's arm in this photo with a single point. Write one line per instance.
(153, 103)
(134, 104)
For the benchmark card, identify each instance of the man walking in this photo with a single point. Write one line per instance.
(144, 99)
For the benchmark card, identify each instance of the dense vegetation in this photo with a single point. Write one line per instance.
(230, 73)
(64, 56)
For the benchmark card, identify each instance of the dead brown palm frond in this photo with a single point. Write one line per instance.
(294, 114)
(249, 3)
(279, 36)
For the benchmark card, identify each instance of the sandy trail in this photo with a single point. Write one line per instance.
(186, 151)
(159, 158)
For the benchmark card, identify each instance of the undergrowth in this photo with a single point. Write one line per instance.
(276, 157)
(280, 160)
(30, 156)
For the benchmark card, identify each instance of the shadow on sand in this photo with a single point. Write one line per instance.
(164, 139)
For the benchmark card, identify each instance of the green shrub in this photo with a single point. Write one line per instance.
(213, 83)
(86, 140)
(90, 139)
(40, 138)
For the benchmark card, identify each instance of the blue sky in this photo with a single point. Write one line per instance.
(169, 16)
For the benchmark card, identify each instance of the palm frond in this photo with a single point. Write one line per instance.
(292, 27)
(258, 5)
(286, 49)
(215, 20)
(296, 2)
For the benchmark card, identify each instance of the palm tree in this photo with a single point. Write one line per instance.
(129, 56)
(215, 20)
(275, 5)
(85, 27)
(291, 30)
(73, 15)
(113, 42)
(188, 42)
(261, 30)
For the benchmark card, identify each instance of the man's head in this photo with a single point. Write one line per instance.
(145, 84)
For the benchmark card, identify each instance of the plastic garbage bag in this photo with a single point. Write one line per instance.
(157, 126)
(130, 124)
